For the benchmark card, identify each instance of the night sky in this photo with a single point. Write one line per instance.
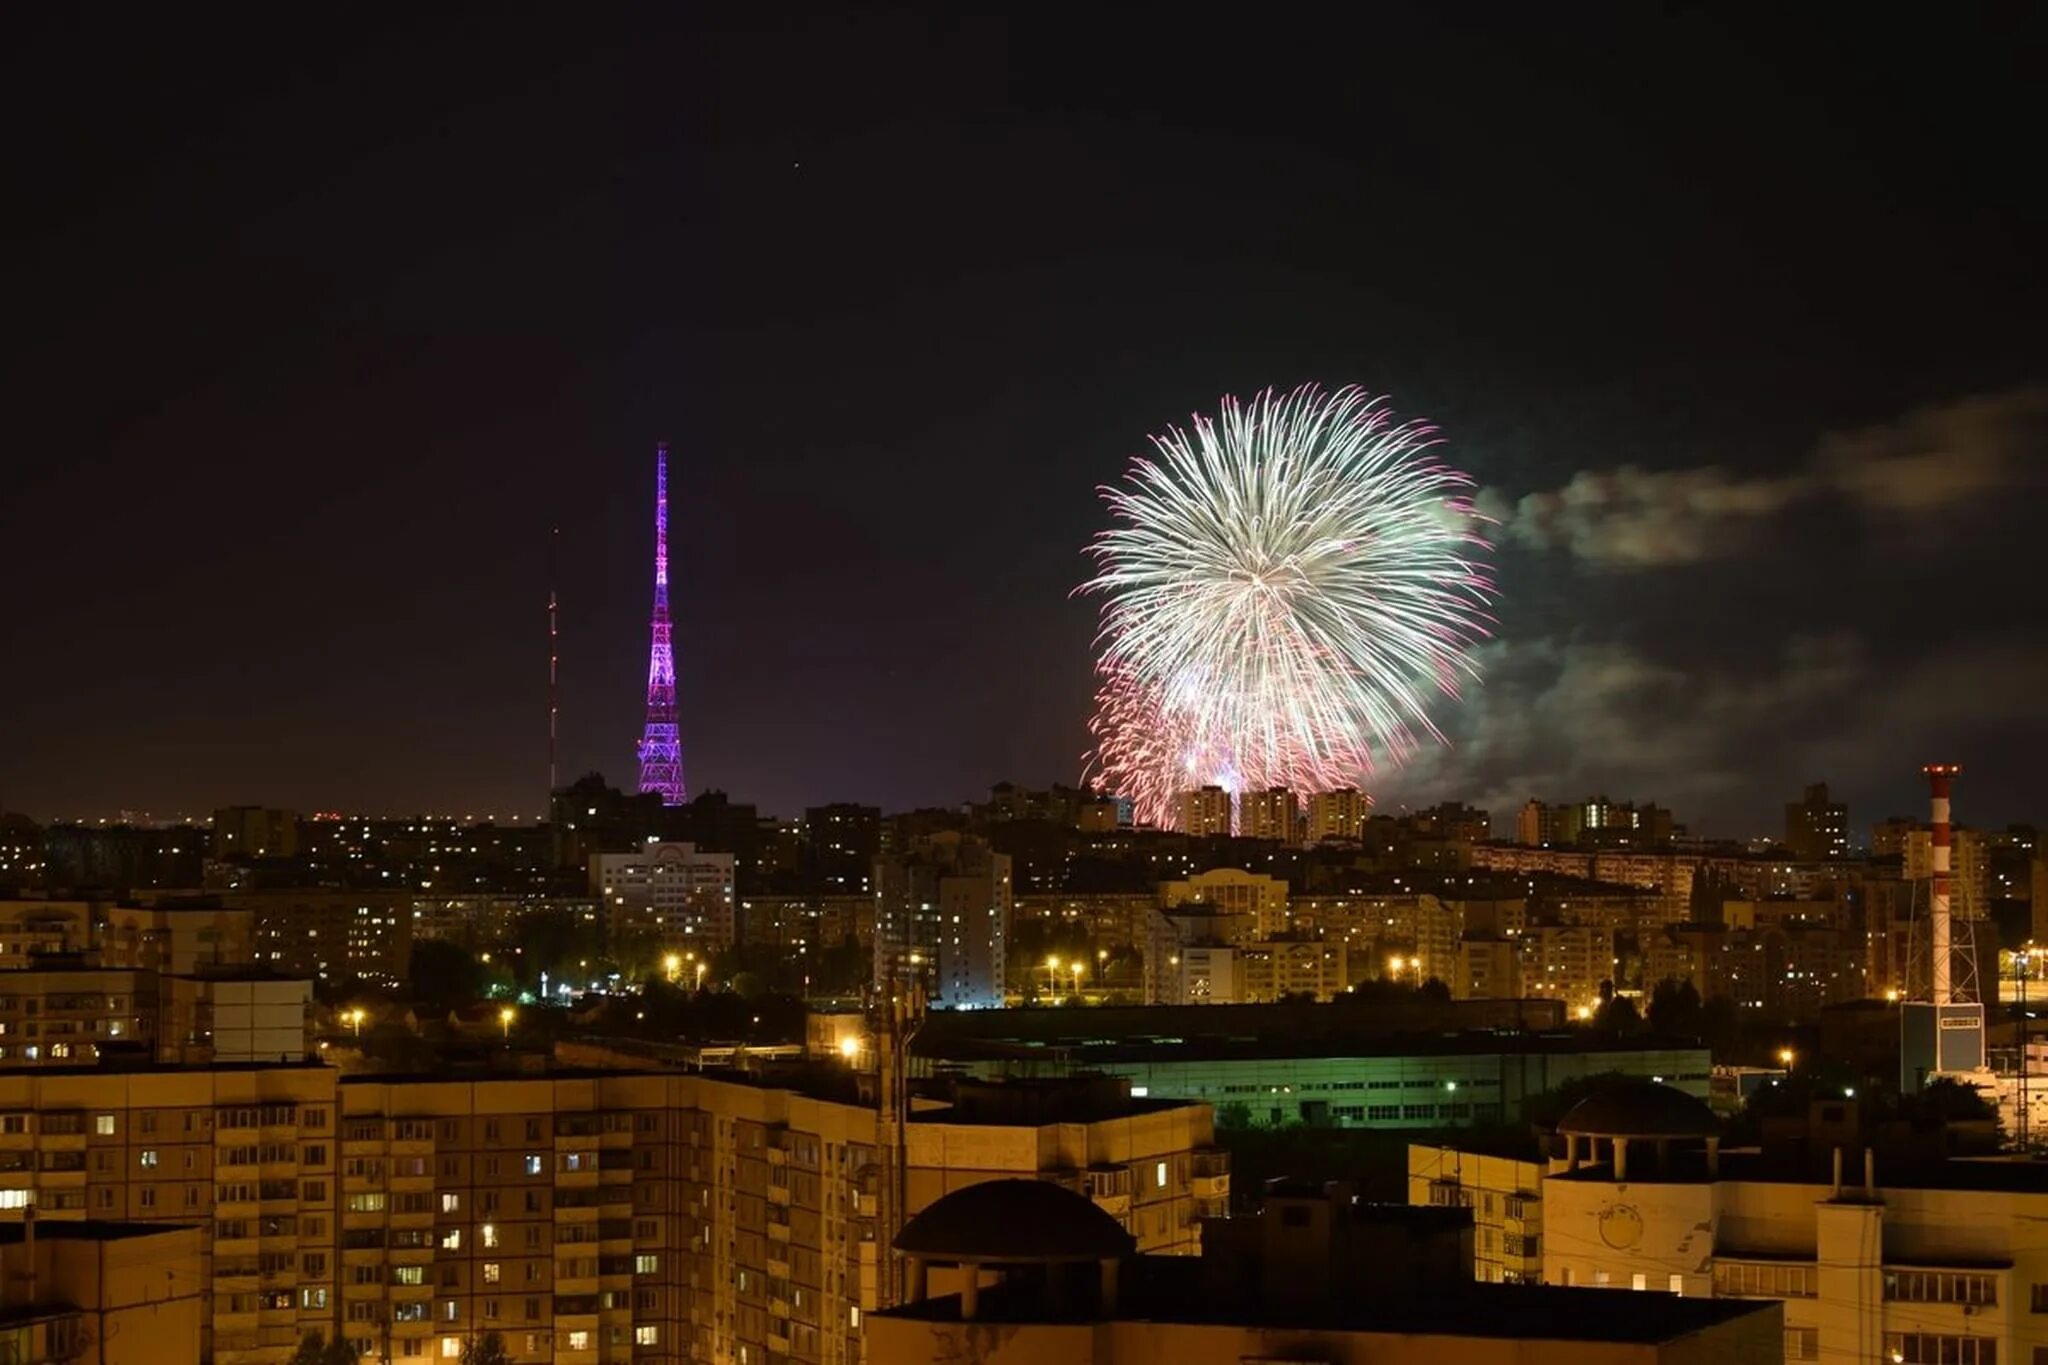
(315, 330)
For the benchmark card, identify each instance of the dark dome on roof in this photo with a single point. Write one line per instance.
(1014, 1220)
(1639, 1109)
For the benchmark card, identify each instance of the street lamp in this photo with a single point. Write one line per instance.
(505, 1020)
(355, 1020)
(1079, 967)
(1786, 1056)
(1052, 976)
(849, 1048)
(672, 964)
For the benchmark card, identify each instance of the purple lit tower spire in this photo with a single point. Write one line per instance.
(661, 744)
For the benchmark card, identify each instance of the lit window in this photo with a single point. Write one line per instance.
(646, 1336)
(579, 1340)
(103, 1124)
(1159, 1175)
(451, 1347)
(490, 1272)
(488, 1234)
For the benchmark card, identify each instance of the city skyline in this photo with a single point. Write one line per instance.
(1754, 398)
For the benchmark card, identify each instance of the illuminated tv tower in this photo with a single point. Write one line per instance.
(661, 744)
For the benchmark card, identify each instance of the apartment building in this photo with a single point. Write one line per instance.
(676, 893)
(587, 1217)
(1262, 900)
(323, 935)
(175, 938)
(1904, 1258)
(1339, 814)
(61, 1015)
(33, 928)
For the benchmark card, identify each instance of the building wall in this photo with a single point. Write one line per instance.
(327, 935)
(1506, 1199)
(650, 1217)
(1854, 1273)
(61, 1016)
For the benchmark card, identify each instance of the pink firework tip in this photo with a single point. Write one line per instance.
(1285, 589)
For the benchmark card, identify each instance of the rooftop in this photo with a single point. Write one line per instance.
(1201, 1047)
(1639, 1109)
(1168, 1289)
(86, 1230)
(2004, 1175)
(1014, 1220)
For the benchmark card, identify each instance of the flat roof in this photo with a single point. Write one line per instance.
(88, 1230)
(1217, 1048)
(1169, 1289)
(2007, 1175)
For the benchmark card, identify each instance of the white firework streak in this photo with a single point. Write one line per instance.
(1286, 590)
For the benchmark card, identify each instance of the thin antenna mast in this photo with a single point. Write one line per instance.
(554, 658)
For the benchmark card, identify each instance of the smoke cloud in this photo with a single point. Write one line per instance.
(1928, 462)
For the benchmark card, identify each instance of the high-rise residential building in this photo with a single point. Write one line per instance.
(178, 937)
(1339, 814)
(942, 915)
(843, 839)
(673, 893)
(1489, 968)
(30, 929)
(247, 833)
(1567, 962)
(1272, 814)
(1454, 821)
(587, 1217)
(331, 935)
(1815, 827)
(1204, 811)
(976, 901)
(1971, 875)
(1262, 900)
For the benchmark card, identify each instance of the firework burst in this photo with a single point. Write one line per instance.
(1285, 590)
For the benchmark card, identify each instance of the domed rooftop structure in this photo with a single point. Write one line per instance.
(1639, 1109)
(1014, 1220)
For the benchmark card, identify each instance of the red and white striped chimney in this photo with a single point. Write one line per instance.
(1940, 777)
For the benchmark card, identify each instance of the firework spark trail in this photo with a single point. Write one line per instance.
(1285, 588)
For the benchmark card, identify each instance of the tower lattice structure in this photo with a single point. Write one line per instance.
(661, 743)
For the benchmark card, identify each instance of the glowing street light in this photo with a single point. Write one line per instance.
(849, 1048)
(505, 1019)
(673, 966)
(355, 1020)
(1786, 1056)
(1583, 1013)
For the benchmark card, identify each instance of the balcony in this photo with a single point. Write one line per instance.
(778, 1268)
(778, 1342)
(779, 1195)
(778, 1308)
(863, 1205)
(778, 1232)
